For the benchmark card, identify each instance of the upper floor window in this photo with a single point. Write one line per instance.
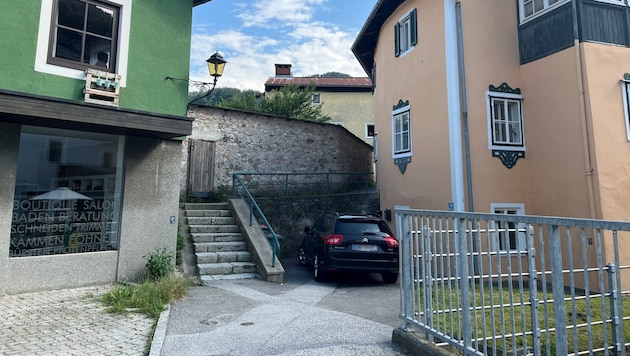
(531, 8)
(84, 34)
(406, 33)
(401, 132)
(505, 121)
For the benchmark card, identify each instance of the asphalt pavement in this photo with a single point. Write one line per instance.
(352, 314)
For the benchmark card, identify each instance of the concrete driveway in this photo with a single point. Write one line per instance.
(351, 314)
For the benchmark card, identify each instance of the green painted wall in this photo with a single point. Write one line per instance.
(159, 46)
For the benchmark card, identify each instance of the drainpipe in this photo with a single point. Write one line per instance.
(453, 105)
(583, 117)
(462, 81)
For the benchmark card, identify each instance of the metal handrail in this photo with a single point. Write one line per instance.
(253, 205)
(328, 175)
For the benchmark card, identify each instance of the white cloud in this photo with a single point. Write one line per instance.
(312, 47)
(281, 12)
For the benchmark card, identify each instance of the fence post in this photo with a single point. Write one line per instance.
(403, 226)
(427, 282)
(557, 283)
(615, 311)
(464, 276)
(533, 290)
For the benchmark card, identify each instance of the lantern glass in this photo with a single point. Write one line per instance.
(216, 65)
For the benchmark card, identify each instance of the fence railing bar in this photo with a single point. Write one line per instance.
(618, 301)
(600, 273)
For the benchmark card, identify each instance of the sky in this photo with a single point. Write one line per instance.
(314, 36)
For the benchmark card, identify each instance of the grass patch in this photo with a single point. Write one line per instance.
(150, 297)
(495, 313)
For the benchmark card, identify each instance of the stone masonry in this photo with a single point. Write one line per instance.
(250, 142)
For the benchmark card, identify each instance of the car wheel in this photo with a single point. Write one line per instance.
(318, 274)
(389, 278)
(302, 255)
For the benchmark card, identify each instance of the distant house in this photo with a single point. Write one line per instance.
(91, 138)
(531, 118)
(347, 100)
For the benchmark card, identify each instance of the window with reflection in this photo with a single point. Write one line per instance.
(70, 203)
(84, 34)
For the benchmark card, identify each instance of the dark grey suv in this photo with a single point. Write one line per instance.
(357, 243)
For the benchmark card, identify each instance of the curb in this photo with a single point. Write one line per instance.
(414, 344)
(160, 332)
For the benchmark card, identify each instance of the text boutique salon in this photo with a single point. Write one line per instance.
(67, 192)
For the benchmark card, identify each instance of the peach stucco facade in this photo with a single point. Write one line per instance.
(576, 146)
(576, 150)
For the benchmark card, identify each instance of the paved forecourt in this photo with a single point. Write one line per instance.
(69, 322)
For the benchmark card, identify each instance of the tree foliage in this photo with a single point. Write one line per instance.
(290, 101)
(218, 95)
(331, 75)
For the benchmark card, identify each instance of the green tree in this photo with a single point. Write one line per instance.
(290, 101)
(331, 75)
(218, 95)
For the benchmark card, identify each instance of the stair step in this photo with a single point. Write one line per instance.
(220, 246)
(220, 257)
(211, 220)
(206, 206)
(208, 278)
(226, 268)
(213, 228)
(208, 213)
(217, 237)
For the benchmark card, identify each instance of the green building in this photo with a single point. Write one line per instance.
(90, 138)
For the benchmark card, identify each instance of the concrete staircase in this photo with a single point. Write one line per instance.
(220, 249)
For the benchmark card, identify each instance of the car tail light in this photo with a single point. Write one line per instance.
(391, 241)
(333, 239)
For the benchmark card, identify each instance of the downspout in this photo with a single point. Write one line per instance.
(464, 98)
(583, 117)
(453, 105)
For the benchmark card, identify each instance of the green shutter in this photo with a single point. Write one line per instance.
(414, 27)
(397, 39)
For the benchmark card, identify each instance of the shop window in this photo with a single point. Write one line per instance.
(72, 206)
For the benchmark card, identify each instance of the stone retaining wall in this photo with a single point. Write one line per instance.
(250, 142)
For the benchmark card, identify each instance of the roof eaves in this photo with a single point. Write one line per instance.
(200, 2)
(365, 43)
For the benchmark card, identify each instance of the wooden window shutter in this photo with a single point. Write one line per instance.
(413, 22)
(397, 39)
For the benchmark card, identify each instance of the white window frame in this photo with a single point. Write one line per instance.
(375, 147)
(546, 8)
(521, 237)
(317, 98)
(367, 129)
(402, 152)
(404, 36)
(625, 94)
(506, 146)
(43, 38)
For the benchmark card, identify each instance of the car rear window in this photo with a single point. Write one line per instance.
(360, 228)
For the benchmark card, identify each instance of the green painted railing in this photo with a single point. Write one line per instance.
(286, 184)
(254, 209)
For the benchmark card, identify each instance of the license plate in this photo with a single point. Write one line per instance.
(364, 248)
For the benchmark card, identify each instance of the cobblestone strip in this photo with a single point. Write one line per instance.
(69, 322)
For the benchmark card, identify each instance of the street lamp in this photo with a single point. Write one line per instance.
(216, 65)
